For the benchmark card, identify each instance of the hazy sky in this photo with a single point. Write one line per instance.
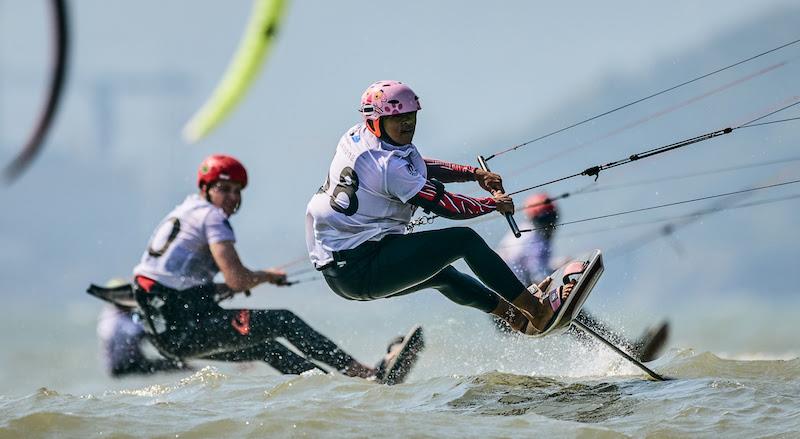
(488, 77)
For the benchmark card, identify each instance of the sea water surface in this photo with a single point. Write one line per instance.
(469, 382)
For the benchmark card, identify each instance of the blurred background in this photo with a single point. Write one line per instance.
(489, 77)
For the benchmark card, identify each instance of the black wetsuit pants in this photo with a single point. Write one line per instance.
(190, 324)
(402, 264)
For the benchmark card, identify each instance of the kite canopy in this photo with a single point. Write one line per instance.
(242, 70)
(58, 74)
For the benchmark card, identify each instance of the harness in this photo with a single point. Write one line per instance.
(151, 297)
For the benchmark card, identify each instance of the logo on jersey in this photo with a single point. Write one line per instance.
(356, 137)
(412, 170)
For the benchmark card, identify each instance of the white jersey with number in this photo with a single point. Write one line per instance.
(365, 195)
(178, 254)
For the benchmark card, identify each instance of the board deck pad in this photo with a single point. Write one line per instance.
(398, 367)
(121, 295)
(592, 267)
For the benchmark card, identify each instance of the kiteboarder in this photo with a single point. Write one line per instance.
(356, 222)
(174, 288)
(121, 337)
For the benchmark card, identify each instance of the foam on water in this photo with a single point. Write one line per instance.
(470, 381)
(709, 395)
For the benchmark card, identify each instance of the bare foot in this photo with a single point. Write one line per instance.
(511, 315)
(546, 311)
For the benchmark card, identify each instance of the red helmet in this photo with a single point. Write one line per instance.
(221, 167)
(539, 205)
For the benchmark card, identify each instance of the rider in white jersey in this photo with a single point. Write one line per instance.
(368, 199)
(179, 301)
(356, 223)
(530, 255)
(179, 255)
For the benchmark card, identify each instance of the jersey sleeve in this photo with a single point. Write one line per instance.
(449, 172)
(403, 180)
(432, 197)
(217, 227)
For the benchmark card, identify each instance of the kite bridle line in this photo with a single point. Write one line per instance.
(658, 93)
(596, 170)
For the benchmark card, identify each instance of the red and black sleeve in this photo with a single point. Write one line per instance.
(449, 172)
(432, 197)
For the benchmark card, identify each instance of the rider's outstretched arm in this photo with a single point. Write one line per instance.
(237, 276)
(432, 197)
(449, 172)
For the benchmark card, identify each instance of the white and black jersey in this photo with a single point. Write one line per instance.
(365, 195)
(178, 254)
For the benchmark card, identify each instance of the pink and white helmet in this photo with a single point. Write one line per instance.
(385, 98)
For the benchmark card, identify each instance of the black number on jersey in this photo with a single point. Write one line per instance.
(348, 185)
(176, 227)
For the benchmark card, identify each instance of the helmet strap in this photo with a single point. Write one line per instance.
(385, 137)
(375, 128)
(380, 132)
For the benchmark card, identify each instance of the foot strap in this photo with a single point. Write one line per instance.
(555, 299)
(573, 268)
(553, 296)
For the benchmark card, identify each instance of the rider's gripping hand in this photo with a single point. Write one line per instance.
(276, 276)
(503, 202)
(489, 181)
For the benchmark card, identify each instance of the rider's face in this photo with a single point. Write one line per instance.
(400, 127)
(226, 195)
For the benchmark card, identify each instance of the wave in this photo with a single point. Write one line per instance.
(707, 394)
(686, 363)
